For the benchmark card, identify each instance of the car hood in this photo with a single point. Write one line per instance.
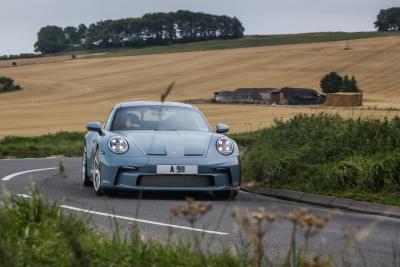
(170, 143)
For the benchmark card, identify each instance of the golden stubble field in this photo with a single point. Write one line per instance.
(65, 95)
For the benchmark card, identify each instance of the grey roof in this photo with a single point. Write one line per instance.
(247, 92)
(153, 103)
(288, 91)
(256, 90)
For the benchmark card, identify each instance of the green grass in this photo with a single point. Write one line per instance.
(247, 41)
(330, 155)
(63, 143)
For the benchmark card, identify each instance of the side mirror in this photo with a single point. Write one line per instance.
(222, 128)
(94, 127)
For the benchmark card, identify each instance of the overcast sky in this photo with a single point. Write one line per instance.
(20, 20)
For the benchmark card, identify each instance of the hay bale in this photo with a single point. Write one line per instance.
(344, 100)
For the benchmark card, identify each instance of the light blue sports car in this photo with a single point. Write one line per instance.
(160, 146)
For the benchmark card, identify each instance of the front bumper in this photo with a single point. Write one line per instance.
(119, 172)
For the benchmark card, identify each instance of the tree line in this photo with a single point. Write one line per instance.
(151, 29)
(388, 19)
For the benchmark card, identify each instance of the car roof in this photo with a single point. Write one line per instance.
(153, 103)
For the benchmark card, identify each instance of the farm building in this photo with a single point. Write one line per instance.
(269, 96)
(249, 95)
(301, 96)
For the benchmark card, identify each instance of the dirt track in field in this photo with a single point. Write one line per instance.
(65, 95)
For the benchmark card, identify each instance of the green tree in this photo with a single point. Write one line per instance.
(151, 29)
(388, 19)
(82, 32)
(332, 83)
(51, 39)
(350, 85)
(353, 86)
(346, 84)
(72, 37)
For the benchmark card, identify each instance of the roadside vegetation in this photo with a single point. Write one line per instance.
(37, 233)
(63, 143)
(331, 155)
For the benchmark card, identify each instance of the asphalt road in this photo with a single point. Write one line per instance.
(151, 212)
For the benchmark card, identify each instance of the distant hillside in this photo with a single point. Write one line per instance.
(65, 95)
(246, 41)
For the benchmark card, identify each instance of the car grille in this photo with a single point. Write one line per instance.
(176, 180)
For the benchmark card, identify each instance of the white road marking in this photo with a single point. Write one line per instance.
(24, 196)
(9, 177)
(135, 219)
(144, 221)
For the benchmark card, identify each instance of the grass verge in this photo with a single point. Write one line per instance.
(330, 155)
(63, 143)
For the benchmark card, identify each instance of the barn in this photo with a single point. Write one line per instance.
(266, 96)
(301, 96)
(269, 96)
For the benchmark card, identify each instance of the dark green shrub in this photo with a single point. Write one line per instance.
(7, 85)
(327, 152)
(385, 173)
(347, 174)
(334, 83)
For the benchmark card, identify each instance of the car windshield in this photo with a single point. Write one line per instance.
(159, 118)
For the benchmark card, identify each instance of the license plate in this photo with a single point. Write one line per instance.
(177, 169)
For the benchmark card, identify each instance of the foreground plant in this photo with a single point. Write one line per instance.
(36, 233)
(256, 225)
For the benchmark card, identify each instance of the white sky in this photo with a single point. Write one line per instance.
(20, 20)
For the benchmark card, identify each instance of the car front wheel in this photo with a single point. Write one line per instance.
(85, 178)
(97, 174)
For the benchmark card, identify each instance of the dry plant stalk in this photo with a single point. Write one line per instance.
(192, 212)
(257, 224)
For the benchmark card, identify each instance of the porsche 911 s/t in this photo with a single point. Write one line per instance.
(160, 146)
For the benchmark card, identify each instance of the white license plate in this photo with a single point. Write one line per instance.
(177, 169)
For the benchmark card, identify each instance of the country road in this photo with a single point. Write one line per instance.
(151, 212)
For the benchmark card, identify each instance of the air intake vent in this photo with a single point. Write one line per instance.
(176, 181)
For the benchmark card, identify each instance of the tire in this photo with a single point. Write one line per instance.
(85, 178)
(97, 174)
(226, 194)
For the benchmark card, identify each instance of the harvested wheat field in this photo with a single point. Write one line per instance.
(64, 95)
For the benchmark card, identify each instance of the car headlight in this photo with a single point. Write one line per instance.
(118, 145)
(224, 146)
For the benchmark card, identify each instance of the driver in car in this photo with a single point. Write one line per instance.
(132, 121)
